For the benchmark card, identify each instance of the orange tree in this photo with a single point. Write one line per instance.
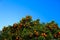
(28, 29)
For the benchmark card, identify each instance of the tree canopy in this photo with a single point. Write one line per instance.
(29, 29)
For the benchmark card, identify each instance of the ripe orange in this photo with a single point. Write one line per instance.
(17, 38)
(20, 25)
(36, 33)
(43, 34)
(15, 25)
(34, 30)
(59, 33)
(27, 18)
(55, 26)
(55, 35)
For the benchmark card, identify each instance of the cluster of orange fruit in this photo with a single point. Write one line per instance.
(36, 33)
(51, 26)
(42, 34)
(57, 35)
(24, 22)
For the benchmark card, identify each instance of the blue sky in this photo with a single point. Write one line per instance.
(11, 11)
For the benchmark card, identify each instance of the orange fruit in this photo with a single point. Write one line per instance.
(27, 18)
(36, 33)
(43, 34)
(20, 24)
(15, 25)
(17, 38)
(59, 33)
(55, 26)
(55, 35)
(34, 30)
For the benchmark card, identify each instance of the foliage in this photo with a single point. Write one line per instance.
(28, 29)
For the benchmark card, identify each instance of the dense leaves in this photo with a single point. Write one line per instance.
(28, 29)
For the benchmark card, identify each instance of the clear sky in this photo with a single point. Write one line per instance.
(12, 11)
